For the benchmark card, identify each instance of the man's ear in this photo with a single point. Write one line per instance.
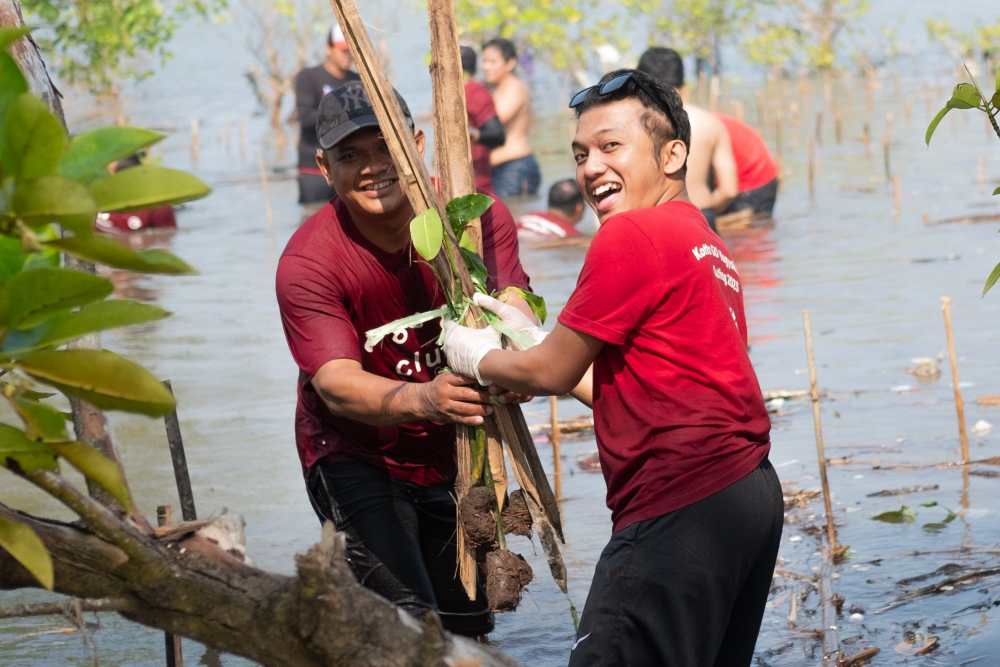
(323, 165)
(420, 139)
(673, 157)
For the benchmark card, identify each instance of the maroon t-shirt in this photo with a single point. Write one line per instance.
(158, 217)
(333, 285)
(479, 106)
(678, 411)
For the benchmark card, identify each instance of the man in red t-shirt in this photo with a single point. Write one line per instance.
(485, 129)
(560, 220)
(375, 427)
(682, 431)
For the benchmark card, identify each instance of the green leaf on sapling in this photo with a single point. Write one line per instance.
(934, 123)
(462, 210)
(477, 270)
(965, 96)
(427, 233)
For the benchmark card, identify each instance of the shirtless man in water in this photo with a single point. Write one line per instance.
(710, 160)
(515, 169)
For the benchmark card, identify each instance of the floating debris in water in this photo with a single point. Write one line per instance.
(924, 368)
(981, 428)
(856, 618)
(903, 515)
(989, 401)
(902, 491)
(917, 644)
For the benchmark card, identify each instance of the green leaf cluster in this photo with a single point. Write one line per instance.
(970, 96)
(99, 44)
(51, 189)
(564, 33)
(804, 33)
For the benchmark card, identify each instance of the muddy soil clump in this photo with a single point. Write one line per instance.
(476, 512)
(516, 516)
(507, 574)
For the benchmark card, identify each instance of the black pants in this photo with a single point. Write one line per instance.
(400, 541)
(686, 589)
(313, 188)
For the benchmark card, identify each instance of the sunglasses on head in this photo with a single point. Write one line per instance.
(615, 84)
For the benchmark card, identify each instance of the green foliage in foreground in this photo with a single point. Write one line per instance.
(969, 96)
(51, 189)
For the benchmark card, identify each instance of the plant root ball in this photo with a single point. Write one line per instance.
(516, 517)
(507, 574)
(476, 512)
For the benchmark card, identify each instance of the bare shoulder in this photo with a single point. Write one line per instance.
(705, 125)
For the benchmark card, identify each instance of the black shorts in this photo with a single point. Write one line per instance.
(759, 200)
(688, 588)
(400, 541)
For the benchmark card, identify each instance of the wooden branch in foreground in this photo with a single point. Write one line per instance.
(320, 617)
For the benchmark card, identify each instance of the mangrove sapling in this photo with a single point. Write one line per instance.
(481, 510)
(970, 96)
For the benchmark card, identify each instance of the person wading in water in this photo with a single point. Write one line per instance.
(682, 431)
(375, 429)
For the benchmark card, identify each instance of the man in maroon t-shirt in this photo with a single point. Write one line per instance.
(682, 431)
(485, 129)
(375, 427)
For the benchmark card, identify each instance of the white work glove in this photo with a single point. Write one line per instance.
(514, 319)
(466, 347)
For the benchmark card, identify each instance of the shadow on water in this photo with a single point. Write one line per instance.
(868, 267)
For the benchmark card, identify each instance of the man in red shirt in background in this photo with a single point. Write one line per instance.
(682, 431)
(485, 129)
(560, 220)
(732, 169)
(139, 220)
(375, 428)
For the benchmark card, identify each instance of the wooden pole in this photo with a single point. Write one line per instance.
(811, 169)
(172, 643)
(179, 460)
(831, 529)
(838, 127)
(195, 141)
(963, 436)
(555, 435)
(416, 184)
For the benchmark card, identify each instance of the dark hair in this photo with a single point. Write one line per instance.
(504, 46)
(662, 101)
(565, 196)
(663, 64)
(468, 59)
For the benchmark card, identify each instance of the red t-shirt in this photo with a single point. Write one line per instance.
(754, 165)
(333, 285)
(546, 224)
(479, 106)
(678, 410)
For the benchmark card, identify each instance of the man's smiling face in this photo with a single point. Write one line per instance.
(361, 171)
(618, 166)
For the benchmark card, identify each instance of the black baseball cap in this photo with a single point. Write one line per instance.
(345, 110)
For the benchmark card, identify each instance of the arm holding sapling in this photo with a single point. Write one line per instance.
(350, 391)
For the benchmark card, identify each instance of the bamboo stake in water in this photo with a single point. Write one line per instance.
(172, 643)
(819, 128)
(811, 169)
(195, 141)
(963, 436)
(555, 435)
(897, 195)
(838, 127)
(831, 530)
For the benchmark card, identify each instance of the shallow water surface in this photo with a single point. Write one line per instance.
(870, 272)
